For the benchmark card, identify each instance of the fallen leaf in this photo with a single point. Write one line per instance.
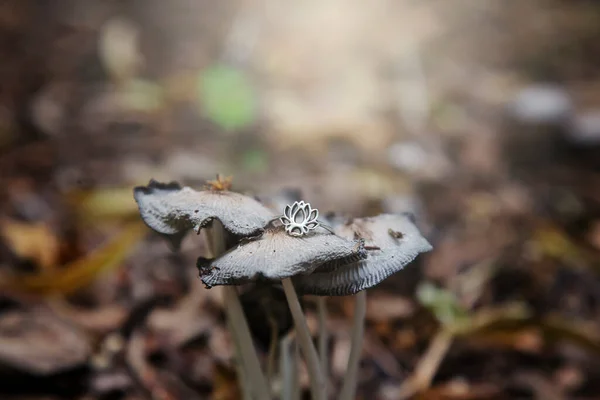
(83, 271)
(542, 387)
(594, 235)
(458, 389)
(381, 307)
(225, 386)
(35, 242)
(37, 342)
(227, 97)
(554, 243)
(101, 204)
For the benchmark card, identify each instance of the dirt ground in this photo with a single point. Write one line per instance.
(480, 117)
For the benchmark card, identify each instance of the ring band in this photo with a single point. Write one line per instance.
(299, 218)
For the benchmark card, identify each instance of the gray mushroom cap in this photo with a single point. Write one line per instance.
(275, 255)
(174, 210)
(399, 242)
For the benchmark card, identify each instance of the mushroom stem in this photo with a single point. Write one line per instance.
(241, 334)
(296, 390)
(358, 330)
(272, 349)
(238, 324)
(288, 365)
(240, 369)
(323, 336)
(317, 381)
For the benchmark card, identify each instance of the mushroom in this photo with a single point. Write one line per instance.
(279, 254)
(392, 241)
(276, 255)
(295, 248)
(173, 210)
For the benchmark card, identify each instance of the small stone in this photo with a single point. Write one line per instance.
(541, 104)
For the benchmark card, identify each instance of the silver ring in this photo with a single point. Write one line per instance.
(299, 218)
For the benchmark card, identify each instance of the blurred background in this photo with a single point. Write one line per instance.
(480, 117)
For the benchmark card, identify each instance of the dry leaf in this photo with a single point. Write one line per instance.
(84, 270)
(39, 343)
(381, 307)
(225, 385)
(99, 205)
(35, 242)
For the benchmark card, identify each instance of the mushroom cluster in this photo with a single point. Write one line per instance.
(291, 246)
(262, 245)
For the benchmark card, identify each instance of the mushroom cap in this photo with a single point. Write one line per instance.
(399, 242)
(276, 255)
(173, 210)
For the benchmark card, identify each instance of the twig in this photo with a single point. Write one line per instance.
(358, 332)
(427, 366)
(438, 348)
(317, 382)
(154, 384)
(239, 326)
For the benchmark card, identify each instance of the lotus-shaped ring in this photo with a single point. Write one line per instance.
(299, 218)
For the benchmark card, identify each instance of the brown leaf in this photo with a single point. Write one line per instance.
(102, 204)
(39, 343)
(83, 271)
(382, 307)
(35, 242)
(594, 235)
(225, 385)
